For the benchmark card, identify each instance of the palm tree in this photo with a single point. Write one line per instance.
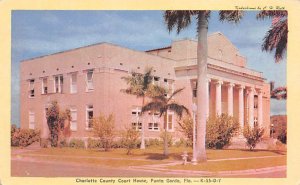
(181, 20)
(163, 104)
(141, 86)
(276, 37)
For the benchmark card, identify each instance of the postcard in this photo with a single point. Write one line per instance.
(140, 92)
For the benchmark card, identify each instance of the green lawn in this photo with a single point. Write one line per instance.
(154, 155)
(234, 164)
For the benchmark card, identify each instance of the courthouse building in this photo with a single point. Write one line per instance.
(87, 80)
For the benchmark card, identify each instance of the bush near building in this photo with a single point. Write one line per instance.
(186, 127)
(23, 137)
(76, 143)
(130, 139)
(253, 135)
(56, 123)
(220, 130)
(103, 128)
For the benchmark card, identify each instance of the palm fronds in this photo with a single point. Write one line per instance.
(233, 16)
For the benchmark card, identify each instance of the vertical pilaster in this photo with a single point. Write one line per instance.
(241, 106)
(260, 108)
(251, 107)
(230, 99)
(219, 97)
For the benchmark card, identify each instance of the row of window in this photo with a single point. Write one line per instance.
(58, 83)
(153, 124)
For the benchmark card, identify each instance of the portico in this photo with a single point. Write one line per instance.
(234, 99)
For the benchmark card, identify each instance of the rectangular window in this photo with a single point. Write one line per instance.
(169, 85)
(31, 88)
(168, 121)
(89, 80)
(45, 85)
(154, 122)
(135, 118)
(255, 102)
(31, 120)
(58, 83)
(73, 119)
(73, 83)
(89, 116)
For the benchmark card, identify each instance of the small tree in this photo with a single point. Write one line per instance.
(130, 139)
(186, 127)
(220, 130)
(104, 129)
(253, 136)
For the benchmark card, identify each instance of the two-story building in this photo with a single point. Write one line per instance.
(87, 80)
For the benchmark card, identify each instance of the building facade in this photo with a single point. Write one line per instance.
(88, 81)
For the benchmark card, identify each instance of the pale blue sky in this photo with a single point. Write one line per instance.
(37, 33)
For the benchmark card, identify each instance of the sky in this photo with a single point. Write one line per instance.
(38, 33)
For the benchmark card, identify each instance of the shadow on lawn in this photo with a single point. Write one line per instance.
(156, 156)
(280, 152)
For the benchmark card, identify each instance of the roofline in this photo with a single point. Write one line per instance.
(64, 51)
(162, 48)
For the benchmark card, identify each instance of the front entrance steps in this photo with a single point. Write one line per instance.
(239, 142)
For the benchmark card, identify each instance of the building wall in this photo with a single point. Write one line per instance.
(110, 63)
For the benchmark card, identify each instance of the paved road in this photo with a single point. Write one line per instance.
(42, 169)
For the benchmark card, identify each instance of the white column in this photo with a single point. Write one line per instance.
(241, 106)
(219, 97)
(230, 99)
(260, 109)
(251, 107)
(207, 99)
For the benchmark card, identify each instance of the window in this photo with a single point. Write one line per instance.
(31, 88)
(58, 83)
(89, 80)
(168, 121)
(135, 118)
(31, 120)
(89, 116)
(73, 119)
(169, 85)
(73, 83)
(44, 86)
(153, 124)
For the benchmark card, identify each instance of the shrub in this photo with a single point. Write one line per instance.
(23, 137)
(220, 130)
(130, 139)
(253, 136)
(183, 142)
(93, 143)
(56, 122)
(282, 136)
(153, 142)
(76, 143)
(169, 137)
(186, 127)
(103, 128)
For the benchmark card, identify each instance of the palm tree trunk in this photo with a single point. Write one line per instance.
(202, 100)
(166, 151)
(143, 130)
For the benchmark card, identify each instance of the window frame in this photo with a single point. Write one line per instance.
(73, 86)
(88, 124)
(88, 87)
(31, 91)
(136, 123)
(73, 121)
(60, 84)
(45, 91)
